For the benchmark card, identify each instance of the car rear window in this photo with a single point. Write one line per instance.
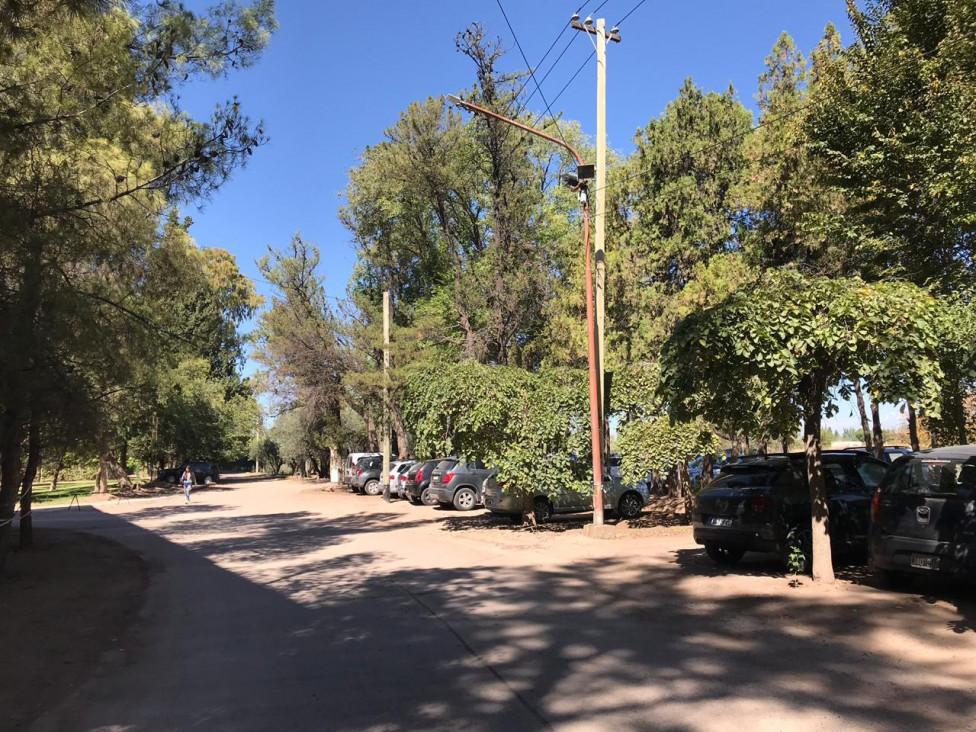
(747, 477)
(930, 476)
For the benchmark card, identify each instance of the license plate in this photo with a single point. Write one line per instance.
(925, 561)
(717, 521)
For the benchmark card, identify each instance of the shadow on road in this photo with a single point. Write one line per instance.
(357, 642)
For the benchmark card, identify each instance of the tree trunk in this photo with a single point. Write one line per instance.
(124, 457)
(786, 445)
(58, 467)
(109, 466)
(372, 436)
(913, 428)
(400, 433)
(764, 447)
(865, 426)
(335, 463)
(708, 466)
(27, 486)
(878, 437)
(11, 460)
(822, 564)
(959, 416)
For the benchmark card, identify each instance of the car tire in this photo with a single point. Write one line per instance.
(630, 505)
(413, 501)
(542, 509)
(724, 554)
(372, 488)
(465, 499)
(171, 479)
(427, 498)
(208, 480)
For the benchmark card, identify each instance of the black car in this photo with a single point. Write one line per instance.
(891, 452)
(763, 505)
(366, 475)
(923, 517)
(203, 473)
(417, 484)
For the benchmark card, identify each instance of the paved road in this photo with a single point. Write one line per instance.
(277, 606)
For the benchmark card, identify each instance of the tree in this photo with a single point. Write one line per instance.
(93, 149)
(524, 423)
(779, 347)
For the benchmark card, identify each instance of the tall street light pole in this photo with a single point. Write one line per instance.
(584, 172)
(603, 37)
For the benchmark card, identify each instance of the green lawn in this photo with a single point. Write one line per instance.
(67, 489)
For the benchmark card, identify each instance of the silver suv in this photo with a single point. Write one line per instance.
(624, 500)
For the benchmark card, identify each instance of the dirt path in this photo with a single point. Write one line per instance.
(63, 605)
(281, 606)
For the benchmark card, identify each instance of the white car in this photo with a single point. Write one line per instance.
(398, 475)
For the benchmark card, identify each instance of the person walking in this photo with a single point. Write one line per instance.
(187, 482)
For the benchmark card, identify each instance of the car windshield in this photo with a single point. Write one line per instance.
(929, 476)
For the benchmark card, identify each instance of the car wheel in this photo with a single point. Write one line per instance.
(414, 501)
(629, 506)
(542, 509)
(427, 498)
(208, 480)
(171, 479)
(724, 554)
(465, 499)
(372, 488)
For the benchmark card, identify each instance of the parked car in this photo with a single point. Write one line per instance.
(398, 474)
(624, 500)
(763, 505)
(203, 473)
(416, 485)
(891, 452)
(459, 485)
(349, 467)
(367, 475)
(923, 516)
(696, 468)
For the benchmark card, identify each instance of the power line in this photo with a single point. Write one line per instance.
(531, 71)
(632, 11)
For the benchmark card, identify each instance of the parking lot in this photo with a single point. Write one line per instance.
(280, 605)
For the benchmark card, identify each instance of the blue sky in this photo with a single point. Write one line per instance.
(337, 74)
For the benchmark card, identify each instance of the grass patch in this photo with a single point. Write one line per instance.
(67, 489)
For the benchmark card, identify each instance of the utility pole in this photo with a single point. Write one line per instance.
(602, 39)
(385, 478)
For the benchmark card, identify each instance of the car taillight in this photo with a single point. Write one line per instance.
(359, 471)
(875, 505)
(761, 504)
(420, 475)
(448, 477)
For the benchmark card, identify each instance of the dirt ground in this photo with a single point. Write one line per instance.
(282, 601)
(63, 604)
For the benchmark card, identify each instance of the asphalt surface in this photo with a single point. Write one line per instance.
(277, 606)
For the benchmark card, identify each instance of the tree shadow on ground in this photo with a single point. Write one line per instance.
(364, 642)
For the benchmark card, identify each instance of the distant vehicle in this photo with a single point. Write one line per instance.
(349, 467)
(763, 505)
(417, 482)
(398, 474)
(923, 516)
(203, 473)
(624, 500)
(696, 467)
(369, 470)
(891, 452)
(459, 485)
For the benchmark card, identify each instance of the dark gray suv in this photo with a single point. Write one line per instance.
(459, 484)
(923, 516)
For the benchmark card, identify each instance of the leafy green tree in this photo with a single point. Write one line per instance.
(778, 347)
(524, 423)
(267, 452)
(93, 150)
